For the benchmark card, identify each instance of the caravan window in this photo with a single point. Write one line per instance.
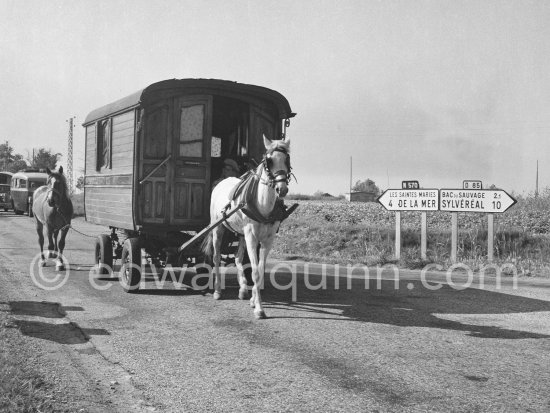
(191, 131)
(104, 144)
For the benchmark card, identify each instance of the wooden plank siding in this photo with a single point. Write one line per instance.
(122, 146)
(90, 150)
(109, 191)
(109, 206)
(123, 143)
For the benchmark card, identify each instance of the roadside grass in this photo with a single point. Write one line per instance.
(22, 388)
(331, 230)
(317, 237)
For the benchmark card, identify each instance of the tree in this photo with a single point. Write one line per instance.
(366, 186)
(10, 161)
(80, 182)
(44, 158)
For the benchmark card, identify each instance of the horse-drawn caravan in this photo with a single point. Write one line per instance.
(152, 158)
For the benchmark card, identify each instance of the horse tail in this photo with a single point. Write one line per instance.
(207, 245)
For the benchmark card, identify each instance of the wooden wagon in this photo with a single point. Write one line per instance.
(152, 157)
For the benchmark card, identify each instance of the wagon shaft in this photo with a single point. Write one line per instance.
(212, 226)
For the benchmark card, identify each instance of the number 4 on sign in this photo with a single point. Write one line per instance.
(390, 204)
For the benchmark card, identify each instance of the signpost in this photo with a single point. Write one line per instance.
(471, 198)
(406, 199)
(489, 201)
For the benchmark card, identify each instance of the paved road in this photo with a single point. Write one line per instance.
(364, 346)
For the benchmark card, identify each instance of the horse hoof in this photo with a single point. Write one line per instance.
(243, 294)
(252, 302)
(59, 267)
(260, 314)
(217, 295)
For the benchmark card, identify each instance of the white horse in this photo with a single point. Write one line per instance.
(257, 223)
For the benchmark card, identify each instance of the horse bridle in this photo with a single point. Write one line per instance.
(281, 175)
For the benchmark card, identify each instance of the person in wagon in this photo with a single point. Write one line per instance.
(230, 169)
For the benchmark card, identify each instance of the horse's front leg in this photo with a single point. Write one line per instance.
(40, 232)
(265, 248)
(217, 237)
(251, 246)
(51, 244)
(243, 286)
(55, 245)
(60, 247)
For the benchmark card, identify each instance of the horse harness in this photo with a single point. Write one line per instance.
(248, 188)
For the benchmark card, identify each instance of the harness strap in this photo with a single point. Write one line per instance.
(227, 224)
(247, 191)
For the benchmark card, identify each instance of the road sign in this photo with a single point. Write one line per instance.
(469, 184)
(410, 199)
(410, 185)
(475, 200)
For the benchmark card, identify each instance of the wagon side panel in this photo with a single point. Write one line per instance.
(110, 206)
(109, 171)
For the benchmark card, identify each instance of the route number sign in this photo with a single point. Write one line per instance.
(410, 199)
(472, 185)
(475, 200)
(410, 185)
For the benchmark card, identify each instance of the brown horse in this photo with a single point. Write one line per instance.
(53, 208)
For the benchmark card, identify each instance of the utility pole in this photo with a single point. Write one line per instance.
(7, 156)
(537, 187)
(350, 175)
(70, 156)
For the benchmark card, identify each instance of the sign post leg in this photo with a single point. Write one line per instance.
(398, 235)
(454, 236)
(490, 237)
(423, 237)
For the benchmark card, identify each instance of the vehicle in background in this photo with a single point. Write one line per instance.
(23, 185)
(5, 182)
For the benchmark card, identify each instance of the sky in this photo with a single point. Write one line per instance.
(435, 91)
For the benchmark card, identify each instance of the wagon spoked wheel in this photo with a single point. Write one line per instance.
(104, 254)
(130, 270)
